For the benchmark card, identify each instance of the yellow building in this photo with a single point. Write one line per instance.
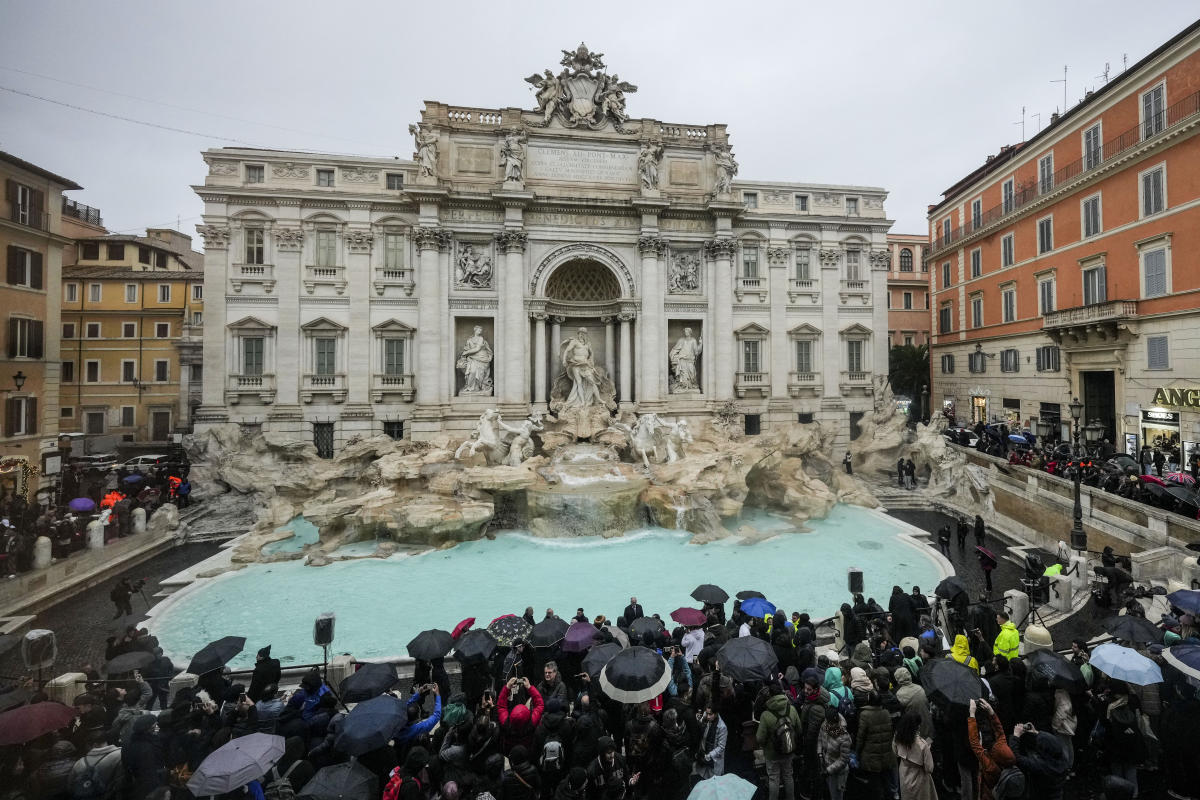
(32, 241)
(132, 316)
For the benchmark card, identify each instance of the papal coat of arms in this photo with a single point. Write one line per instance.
(583, 93)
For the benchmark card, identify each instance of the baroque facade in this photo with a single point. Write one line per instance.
(349, 296)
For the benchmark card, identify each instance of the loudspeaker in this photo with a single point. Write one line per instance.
(854, 580)
(323, 630)
(39, 648)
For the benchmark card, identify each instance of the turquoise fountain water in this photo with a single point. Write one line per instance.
(382, 603)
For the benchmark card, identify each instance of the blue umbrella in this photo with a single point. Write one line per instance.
(1125, 664)
(723, 787)
(133, 479)
(82, 504)
(1013, 437)
(1187, 600)
(758, 607)
(1185, 658)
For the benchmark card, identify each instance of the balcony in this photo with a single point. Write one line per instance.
(261, 274)
(325, 276)
(394, 276)
(853, 383)
(855, 289)
(83, 213)
(752, 382)
(29, 216)
(384, 385)
(751, 285)
(333, 385)
(1104, 321)
(803, 287)
(260, 386)
(802, 384)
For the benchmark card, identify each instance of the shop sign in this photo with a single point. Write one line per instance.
(1168, 417)
(1167, 396)
(1131, 444)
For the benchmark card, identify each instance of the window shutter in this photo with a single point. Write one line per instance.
(1054, 357)
(10, 191)
(14, 275)
(37, 202)
(12, 337)
(1156, 278)
(37, 332)
(1101, 286)
(10, 416)
(1041, 351)
(35, 270)
(30, 415)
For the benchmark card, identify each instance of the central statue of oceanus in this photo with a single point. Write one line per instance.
(581, 384)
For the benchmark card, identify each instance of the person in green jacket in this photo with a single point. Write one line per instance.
(874, 746)
(1008, 641)
(779, 765)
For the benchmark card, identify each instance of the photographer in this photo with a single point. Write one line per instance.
(418, 727)
(517, 720)
(121, 593)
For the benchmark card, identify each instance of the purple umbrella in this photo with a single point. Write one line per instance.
(82, 504)
(133, 479)
(579, 637)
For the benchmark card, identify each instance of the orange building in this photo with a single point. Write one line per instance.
(1066, 265)
(908, 290)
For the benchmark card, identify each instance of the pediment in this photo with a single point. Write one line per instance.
(251, 324)
(322, 324)
(753, 330)
(804, 329)
(393, 326)
(856, 329)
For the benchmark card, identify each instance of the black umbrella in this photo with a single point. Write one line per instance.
(508, 629)
(598, 656)
(14, 697)
(950, 588)
(215, 655)
(950, 682)
(371, 680)
(347, 781)
(128, 662)
(475, 647)
(643, 624)
(708, 593)
(1129, 628)
(8, 642)
(371, 725)
(748, 593)
(1057, 671)
(431, 644)
(548, 632)
(748, 658)
(635, 675)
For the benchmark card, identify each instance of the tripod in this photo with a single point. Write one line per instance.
(1031, 592)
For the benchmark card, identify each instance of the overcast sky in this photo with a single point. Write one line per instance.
(907, 96)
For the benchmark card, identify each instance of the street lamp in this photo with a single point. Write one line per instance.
(19, 380)
(1093, 432)
(1078, 535)
(925, 415)
(1043, 428)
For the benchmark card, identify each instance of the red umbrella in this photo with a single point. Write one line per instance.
(462, 628)
(26, 723)
(987, 553)
(689, 616)
(1151, 479)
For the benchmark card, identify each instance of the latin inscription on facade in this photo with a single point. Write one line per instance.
(582, 166)
(474, 215)
(588, 220)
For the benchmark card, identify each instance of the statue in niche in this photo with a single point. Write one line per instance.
(685, 274)
(475, 361)
(683, 357)
(426, 142)
(727, 167)
(474, 269)
(648, 160)
(512, 156)
(581, 384)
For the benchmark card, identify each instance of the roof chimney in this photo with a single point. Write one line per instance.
(1054, 118)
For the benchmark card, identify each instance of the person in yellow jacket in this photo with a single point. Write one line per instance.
(1008, 641)
(961, 652)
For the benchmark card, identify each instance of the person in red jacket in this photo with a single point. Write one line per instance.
(517, 723)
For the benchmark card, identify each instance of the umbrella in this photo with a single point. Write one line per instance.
(1152, 480)
(1013, 437)
(748, 658)
(579, 637)
(950, 588)
(371, 680)
(1186, 600)
(635, 676)
(132, 479)
(128, 662)
(1058, 671)
(988, 553)
(598, 656)
(757, 607)
(691, 617)
(347, 781)
(26, 723)
(642, 625)
(708, 593)
(746, 594)
(431, 644)
(1183, 478)
(723, 787)
(621, 636)
(508, 629)
(1129, 628)
(1183, 657)
(236, 763)
(371, 725)
(82, 504)
(215, 655)
(475, 646)
(462, 627)
(14, 697)
(548, 632)
(1125, 664)
(950, 682)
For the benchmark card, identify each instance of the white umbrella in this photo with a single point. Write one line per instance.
(236, 763)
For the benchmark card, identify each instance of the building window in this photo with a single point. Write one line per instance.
(90, 251)
(1045, 228)
(750, 199)
(395, 181)
(1008, 298)
(1006, 190)
(145, 255)
(71, 293)
(946, 230)
(255, 246)
(26, 338)
(908, 341)
(976, 262)
(68, 372)
(67, 412)
(1154, 190)
(252, 355)
(116, 252)
(323, 439)
(68, 330)
(160, 259)
(945, 274)
(1154, 118)
(393, 428)
(1046, 295)
(127, 417)
(802, 202)
(1090, 211)
(1092, 147)
(94, 293)
(906, 260)
(947, 365)
(944, 317)
(326, 242)
(129, 330)
(853, 272)
(804, 362)
(1155, 281)
(325, 356)
(197, 317)
(24, 268)
(976, 362)
(749, 261)
(1095, 289)
(128, 371)
(1007, 246)
(93, 330)
(854, 355)
(803, 260)
(1048, 358)
(1157, 354)
(977, 311)
(164, 293)
(1046, 173)
(908, 301)
(162, 370)
(324, 177)
(162, 330)
(91, 371)
(976, 214)
(1010, 360)
(751, 352)
(20, 416)
(393, 356)
(94, 421)
(851, 206)
(393, 251)
(255, 173)
(131, 292)
(197, 292)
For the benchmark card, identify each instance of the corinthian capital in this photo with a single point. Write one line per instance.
(778, 255)
(215, 237)
(651, 245)
(512, 241)
(428, 238)
(830, 258)
(719, 248)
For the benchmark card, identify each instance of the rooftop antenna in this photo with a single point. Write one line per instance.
(1064, 83)
(1105, 73)
(1039, 119)
(1124, 61)
(1022, 123)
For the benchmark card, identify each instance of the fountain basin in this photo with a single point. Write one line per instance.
(603, 507)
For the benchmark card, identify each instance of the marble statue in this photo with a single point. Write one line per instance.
(475, 361)
(679, 434)
(685, 274)
(583, 93)
(512, 156)
(683, 357)
(427, 142)
(520, 448)
(644, 437)
(727, 167)
(648, 159)
(474, 269)
(501, 443)
(610, 96)
(549, 94)
(581, 384)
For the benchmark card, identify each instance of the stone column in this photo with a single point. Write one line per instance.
(513, 381)
(781, 355)
(555, 348)
(651, 354)
(539, 359)
(721, 251)
(610, 346)
(445, 362)
(358, 365)
(429, 318)
(626, 366)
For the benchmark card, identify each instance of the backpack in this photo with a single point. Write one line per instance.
(785, 735)
(551, 760)
(281, 787)
(845, 705)
(1010, 785)
(1124, 733)
(90, 785)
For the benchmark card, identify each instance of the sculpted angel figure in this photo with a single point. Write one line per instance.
(648, 159)
(610, 96)
(549, 93)
(512, 156)
(426, 142)
(727, 167)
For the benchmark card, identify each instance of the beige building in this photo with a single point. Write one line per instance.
(908, 290)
